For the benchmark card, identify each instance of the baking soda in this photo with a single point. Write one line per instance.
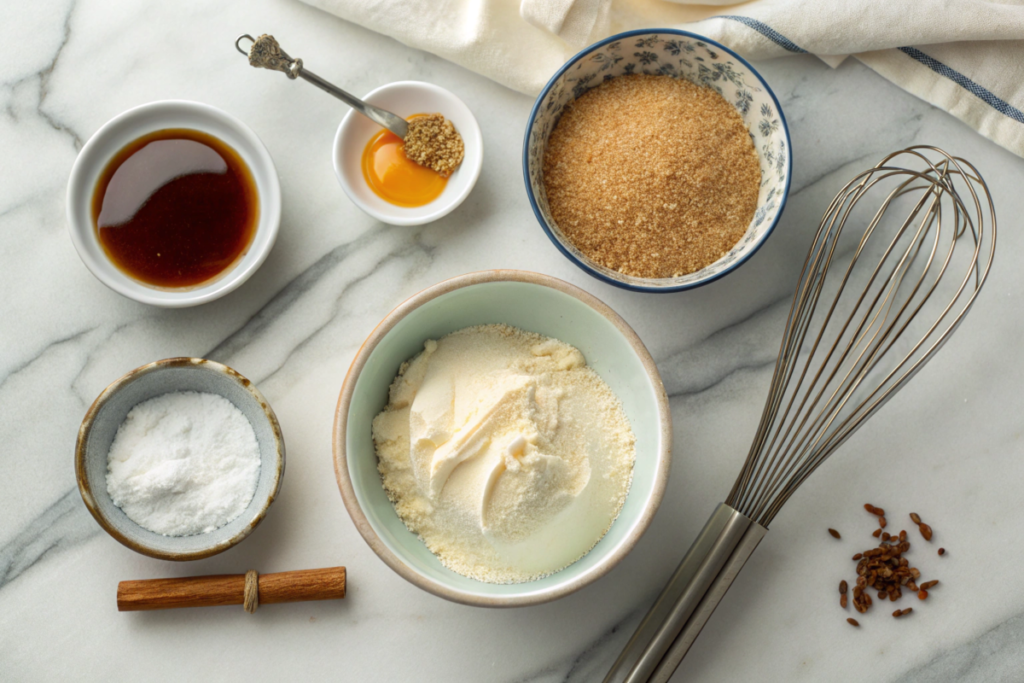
(183, 463)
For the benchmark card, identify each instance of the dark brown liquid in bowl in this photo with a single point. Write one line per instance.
(175, 208)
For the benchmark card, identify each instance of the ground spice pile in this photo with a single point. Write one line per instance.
(432, 141)
(652, 176)
(884, 569)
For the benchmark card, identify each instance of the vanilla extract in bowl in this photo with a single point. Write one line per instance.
(175, 208)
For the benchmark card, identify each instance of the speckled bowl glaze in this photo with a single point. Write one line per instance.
(679, 54)
(109, 410)
(529, 301)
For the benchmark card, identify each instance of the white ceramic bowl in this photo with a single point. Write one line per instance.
(532, 302)
(406, 98)
(679, 54)
(129, 126)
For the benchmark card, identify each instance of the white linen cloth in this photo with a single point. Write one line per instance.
(964, 56)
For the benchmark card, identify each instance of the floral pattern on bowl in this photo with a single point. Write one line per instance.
(678, 54)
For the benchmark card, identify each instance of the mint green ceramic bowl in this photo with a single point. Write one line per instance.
(529, 301)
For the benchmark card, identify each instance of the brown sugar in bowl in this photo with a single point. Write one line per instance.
(681, 55)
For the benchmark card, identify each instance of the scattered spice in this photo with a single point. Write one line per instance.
(852, 622)
(942, 551)
(652, 176)
(915, 518)
(885, 570)
(835, 534)
(432, 141)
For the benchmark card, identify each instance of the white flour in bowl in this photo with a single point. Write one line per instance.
(505, 453)
(183, 463)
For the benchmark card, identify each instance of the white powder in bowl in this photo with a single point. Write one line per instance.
(504, 452)
(183, 463)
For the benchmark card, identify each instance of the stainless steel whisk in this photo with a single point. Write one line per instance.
(856, 333)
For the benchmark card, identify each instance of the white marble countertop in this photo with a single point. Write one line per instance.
(949, 446)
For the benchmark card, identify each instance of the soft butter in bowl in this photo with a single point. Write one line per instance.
(502, 439)
(520, 455)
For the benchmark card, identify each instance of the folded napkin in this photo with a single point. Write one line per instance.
(964, 56)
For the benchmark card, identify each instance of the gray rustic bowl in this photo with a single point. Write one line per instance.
(109, 410)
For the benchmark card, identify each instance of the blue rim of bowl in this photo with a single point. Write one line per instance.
(533, 200)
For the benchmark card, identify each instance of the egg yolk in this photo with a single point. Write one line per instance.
(394, 177)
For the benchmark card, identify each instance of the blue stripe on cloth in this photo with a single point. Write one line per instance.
(986, 96)
(766, 31)
(964, 82)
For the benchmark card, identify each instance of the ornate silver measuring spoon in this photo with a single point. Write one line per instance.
(266, 52)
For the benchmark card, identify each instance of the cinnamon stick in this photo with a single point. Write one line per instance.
(229, 589)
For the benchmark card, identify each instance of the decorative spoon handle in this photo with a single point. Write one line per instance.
(265, 52)
(692, 594)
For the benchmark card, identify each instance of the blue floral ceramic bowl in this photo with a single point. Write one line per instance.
(679, 54)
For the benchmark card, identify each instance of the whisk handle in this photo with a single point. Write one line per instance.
(692, 594)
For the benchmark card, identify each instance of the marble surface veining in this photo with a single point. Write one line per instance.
(949, 446)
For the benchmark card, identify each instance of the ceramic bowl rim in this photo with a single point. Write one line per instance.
(85, 489)
(558, 243)
(407, 571)
(269, 220)
(443, 209)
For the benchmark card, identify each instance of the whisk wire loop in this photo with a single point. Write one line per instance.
(860, 322)
(840, 396)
